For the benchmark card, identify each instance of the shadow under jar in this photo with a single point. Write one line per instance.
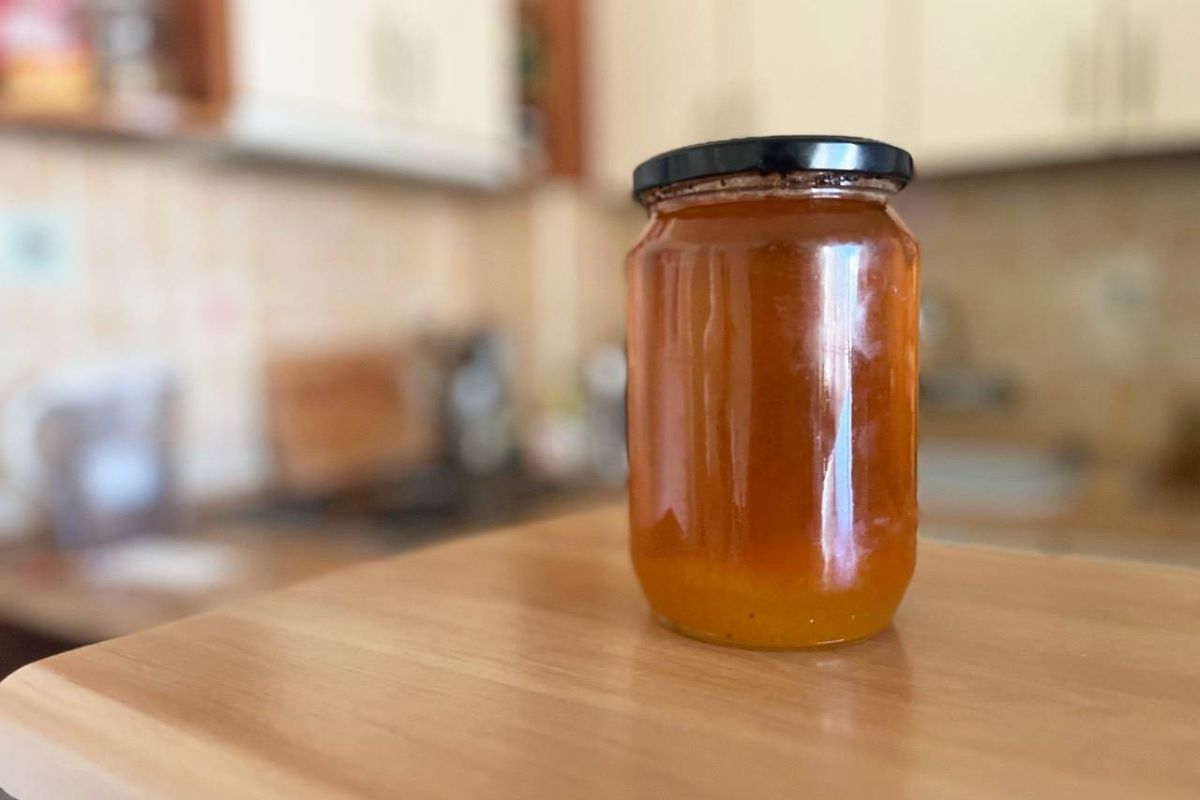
(772, 335)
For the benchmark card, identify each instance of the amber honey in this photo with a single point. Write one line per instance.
(772, 335)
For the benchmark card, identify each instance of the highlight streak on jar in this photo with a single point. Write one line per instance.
(839, 303)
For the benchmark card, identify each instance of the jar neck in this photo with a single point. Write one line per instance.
(754, 186)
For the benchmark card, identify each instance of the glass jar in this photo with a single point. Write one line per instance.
(772, 334)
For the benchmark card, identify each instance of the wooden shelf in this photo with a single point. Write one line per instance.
(200, 43)
(162, 116)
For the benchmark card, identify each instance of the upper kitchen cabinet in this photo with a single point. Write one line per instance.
(410, 87)
(964, 85)
(656, 78)
(998, 83)
(1161, 83)
(448, 66)
(676, 72)
(821, 67)
(288, 61)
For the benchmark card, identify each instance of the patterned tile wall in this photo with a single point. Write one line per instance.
(1079, 282)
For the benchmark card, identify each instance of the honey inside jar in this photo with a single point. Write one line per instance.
(772, 333)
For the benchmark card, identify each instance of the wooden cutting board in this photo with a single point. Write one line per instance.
(524, 664)
(347, 418)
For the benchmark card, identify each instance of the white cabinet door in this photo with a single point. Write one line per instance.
(666, 73)
(343, 65)
(314, 60)
(824, 67)
(1007, 81)
(448, 66)
(477, 78)
(405, 86)
(656, 76)
(1162, 78)
(271, 60)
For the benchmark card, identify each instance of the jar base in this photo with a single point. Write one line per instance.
(746, 608)
(728, 640)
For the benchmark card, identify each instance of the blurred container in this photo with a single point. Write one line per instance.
(132, 44)
(1180, 467)
(942, 333)
(482, 426)
(47, 63)
(95, 443)
(556, 442)
(604, 381)
(1008, 481)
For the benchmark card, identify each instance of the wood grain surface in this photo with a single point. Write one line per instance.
(524, 664)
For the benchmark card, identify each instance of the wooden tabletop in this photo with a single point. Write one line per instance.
(524, 664)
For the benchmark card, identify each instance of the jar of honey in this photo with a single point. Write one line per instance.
(772, 335)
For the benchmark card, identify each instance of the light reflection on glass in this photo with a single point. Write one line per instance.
(839, 266)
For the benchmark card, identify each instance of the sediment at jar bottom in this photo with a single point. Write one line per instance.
(725, 604)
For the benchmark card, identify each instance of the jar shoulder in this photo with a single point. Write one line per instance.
(807, 225)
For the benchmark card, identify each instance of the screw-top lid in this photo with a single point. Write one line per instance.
(774, 155)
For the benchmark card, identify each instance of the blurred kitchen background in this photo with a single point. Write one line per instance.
(285, 285)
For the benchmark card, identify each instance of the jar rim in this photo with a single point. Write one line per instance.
(755, 186)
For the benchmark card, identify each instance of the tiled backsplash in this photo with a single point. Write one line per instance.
(1078, 282)
(216, 266)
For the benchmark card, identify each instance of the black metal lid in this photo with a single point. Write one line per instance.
(774, 155)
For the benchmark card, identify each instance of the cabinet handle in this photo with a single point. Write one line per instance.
(1079, 80)
(402, 66)
(1142, 63)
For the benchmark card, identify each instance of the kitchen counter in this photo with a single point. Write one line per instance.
(524, 664)
(1154, 535)
(72, 597)
(58, 594)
